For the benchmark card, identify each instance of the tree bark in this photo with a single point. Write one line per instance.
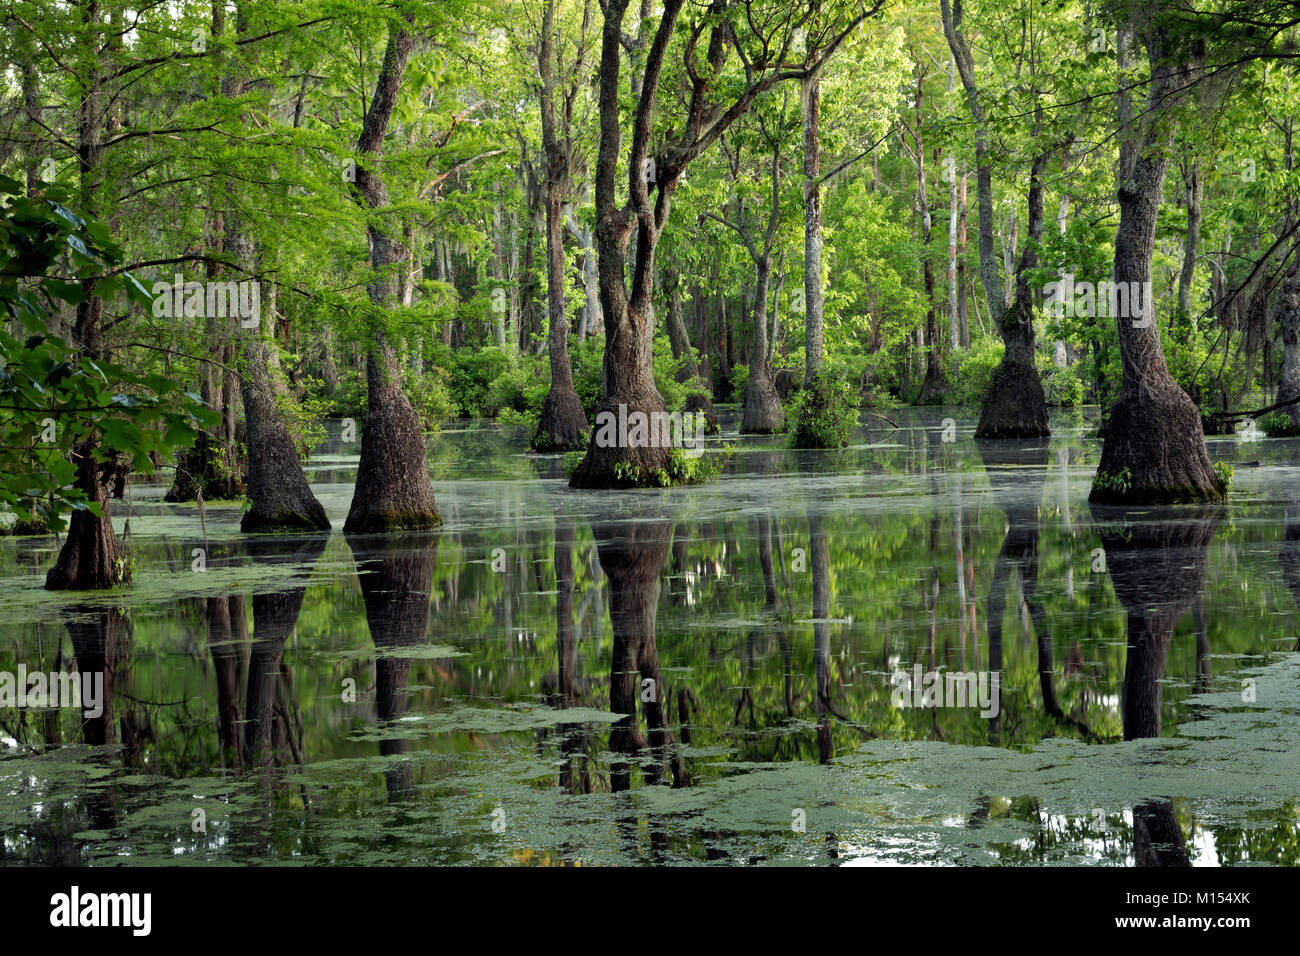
(563, 423)
(1015, 406)
(1154, 449)
(1287, 319)
(763, 413)
(91, 556)
(393, 491)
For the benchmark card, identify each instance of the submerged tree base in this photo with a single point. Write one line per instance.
(763, 412)
(392, 492)
(1015, 406)
(562, 425)
(284, 522)
(1154, 451)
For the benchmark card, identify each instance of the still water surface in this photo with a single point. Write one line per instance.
(464, 697)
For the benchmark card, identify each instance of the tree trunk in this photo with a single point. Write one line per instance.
(814, 310)
(282, 500)
(1194, 188)
(1154, 449)
(763, 413)
(1015, 406)
(563, 423)
(629, 319)
(393, 491)
(1287, 319)
(91, 556)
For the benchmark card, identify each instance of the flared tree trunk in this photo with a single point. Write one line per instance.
(393, 491)
(563, 423)
(1015, 406)
(281, 498)
(763, 413)
(91, 556)
(1154, 449)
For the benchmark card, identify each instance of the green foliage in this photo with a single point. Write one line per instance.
(1120, 482)
(739, 381)
(56, 398)
(1224, 472)
(305, 416)
(824, 413)
(1278, 425)
(472, 373)
(975, 370)
(1062, 387)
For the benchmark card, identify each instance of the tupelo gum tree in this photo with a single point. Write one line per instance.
(563, 423)
(1154, 448)
(628, 310)
(393, 491)
(1015, 406)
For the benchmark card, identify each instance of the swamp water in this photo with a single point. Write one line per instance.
(462, 697)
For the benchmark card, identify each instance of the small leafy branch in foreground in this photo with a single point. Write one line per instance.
(55, 401)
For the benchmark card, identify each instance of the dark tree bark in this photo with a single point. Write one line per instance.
(1015, 406)
(763, 413)
(1194, 187)
(91, 556)
(1287, 319)
(933, 386)
(1154, 448)
(563, 423)
(281, 498)
(393, 491)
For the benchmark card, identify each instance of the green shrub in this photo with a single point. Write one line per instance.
(430, 397)
(739, 381)
(1062, 387)
(975, 368)
(823, 413)
(1277, 425)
